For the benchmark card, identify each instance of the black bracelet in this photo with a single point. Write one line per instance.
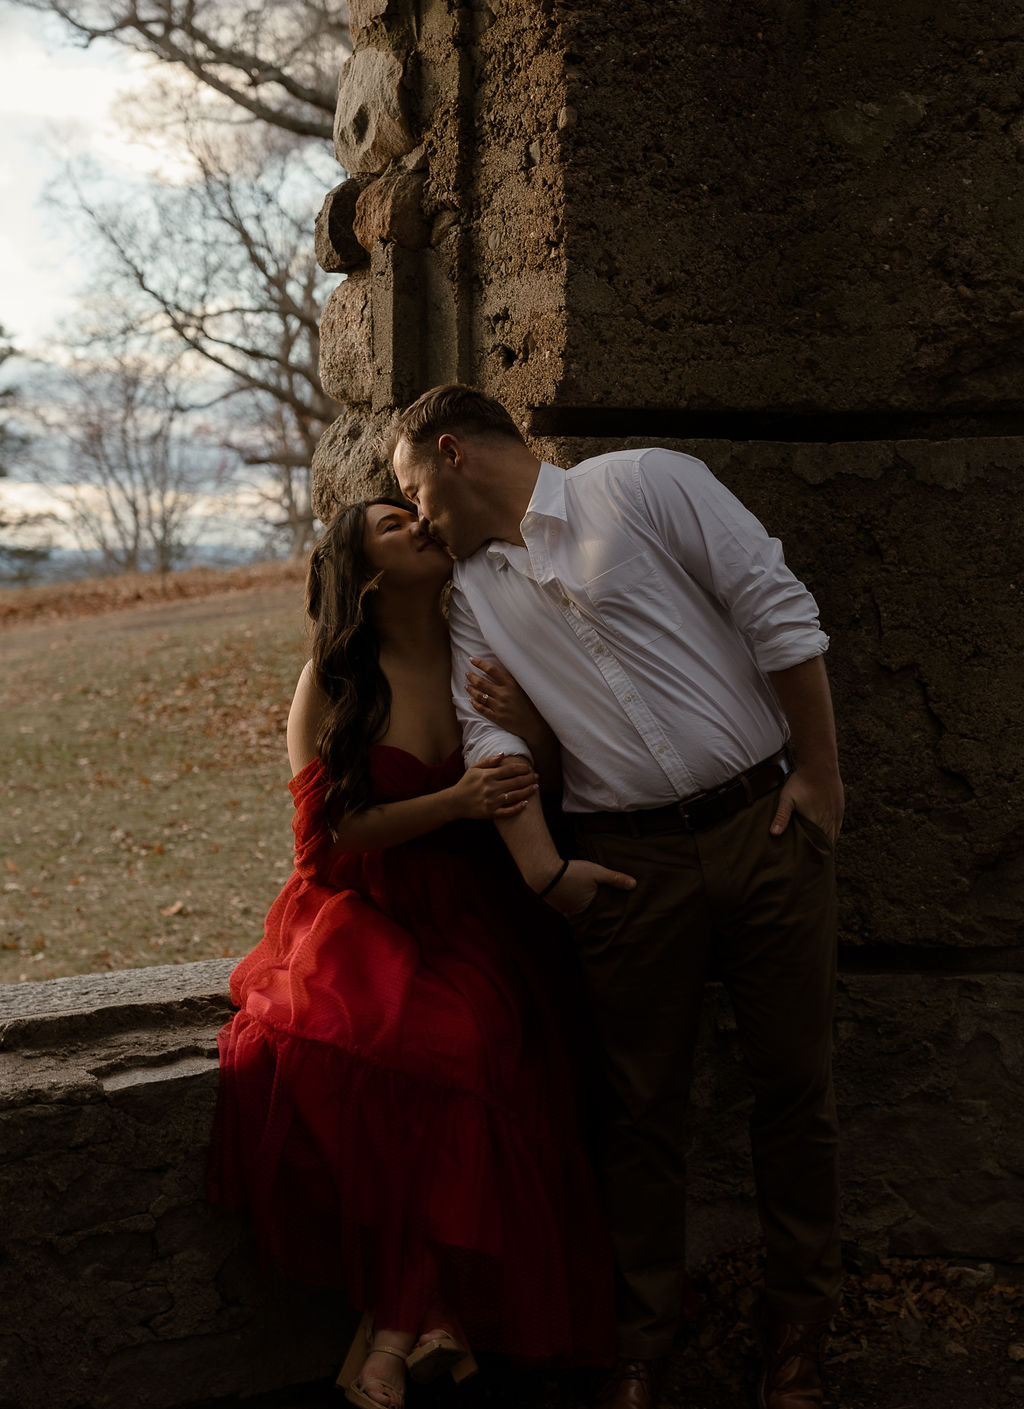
(540, 894)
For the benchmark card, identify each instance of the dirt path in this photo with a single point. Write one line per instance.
(24, 640)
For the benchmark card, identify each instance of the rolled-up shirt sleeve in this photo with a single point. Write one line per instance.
(480, 738)
(725, 549)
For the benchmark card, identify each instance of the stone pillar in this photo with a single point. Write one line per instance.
(786, 239)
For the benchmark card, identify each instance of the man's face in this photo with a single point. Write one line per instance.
(438, 489)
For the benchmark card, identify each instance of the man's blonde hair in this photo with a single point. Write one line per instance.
(451, 409)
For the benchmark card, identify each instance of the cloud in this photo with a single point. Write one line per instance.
(56, 101)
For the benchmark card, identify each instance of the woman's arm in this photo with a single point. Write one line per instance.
(496, 696)
(497, 787)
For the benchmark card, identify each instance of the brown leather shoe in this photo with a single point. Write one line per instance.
(791, 1378)
(630, 1385)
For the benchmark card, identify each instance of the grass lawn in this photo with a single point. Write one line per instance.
(145, 814)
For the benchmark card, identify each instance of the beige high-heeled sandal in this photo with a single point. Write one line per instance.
(441, 1352)
(349, 1376)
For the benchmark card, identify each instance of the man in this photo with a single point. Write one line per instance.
(657, 629)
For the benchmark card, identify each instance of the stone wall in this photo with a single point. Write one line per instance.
(123, 1287)
(785, 238)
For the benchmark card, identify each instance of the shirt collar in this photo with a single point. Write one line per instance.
(546, 502)
(548, 498)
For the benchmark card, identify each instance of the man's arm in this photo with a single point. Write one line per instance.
(528, 839)
(815, 788)
(480, 737)
(725, 549)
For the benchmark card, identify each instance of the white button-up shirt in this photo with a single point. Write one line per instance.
(640, 618)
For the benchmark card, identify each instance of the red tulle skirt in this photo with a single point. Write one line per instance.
(397, 1107)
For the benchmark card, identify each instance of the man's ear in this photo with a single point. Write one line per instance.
(449, 448)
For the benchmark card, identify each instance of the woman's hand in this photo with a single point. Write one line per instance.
(495, 787)
(495, 695)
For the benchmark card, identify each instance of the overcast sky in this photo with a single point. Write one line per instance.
(55, 102)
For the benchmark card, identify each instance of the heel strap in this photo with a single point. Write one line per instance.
(387, 1350)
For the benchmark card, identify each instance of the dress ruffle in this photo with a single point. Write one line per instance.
(397, 1107)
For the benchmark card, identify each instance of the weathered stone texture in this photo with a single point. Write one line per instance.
(345, 335)
(517, 246)
(337, 248)
(363, 13)
(349, 463)
(371, 127)
(392, 209)
(122, 1286)
(796, 208)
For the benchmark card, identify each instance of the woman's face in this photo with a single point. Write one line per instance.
(395, 544)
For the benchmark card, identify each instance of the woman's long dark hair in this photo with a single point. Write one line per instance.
(346, 656)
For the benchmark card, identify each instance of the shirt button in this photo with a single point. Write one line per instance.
(598, 650)
(628, 698)
(661, 748)
(565, 601)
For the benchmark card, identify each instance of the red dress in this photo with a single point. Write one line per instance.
(396, 1106)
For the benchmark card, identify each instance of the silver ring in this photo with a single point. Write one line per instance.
(504, 799)
(486, 699)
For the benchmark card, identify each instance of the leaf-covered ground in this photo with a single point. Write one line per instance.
(144, 813)
(911, 1335)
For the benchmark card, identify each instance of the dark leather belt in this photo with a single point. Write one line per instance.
(702, 810)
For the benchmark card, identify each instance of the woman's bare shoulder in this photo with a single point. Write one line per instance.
(304, 716)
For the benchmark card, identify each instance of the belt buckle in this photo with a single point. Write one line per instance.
(686, 802)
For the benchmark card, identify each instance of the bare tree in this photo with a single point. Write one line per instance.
(275, 60)
(224, 266)
(118, 450)
(26, 536)
(10, 438)
(221, 261)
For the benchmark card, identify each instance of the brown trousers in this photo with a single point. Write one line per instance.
(759, 910)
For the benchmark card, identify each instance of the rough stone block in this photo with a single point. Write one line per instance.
(813, 223)
(931, 1091)
(349, 463)
(335, 244)
(391, 208)
(371, 126)
(346, 340)
(113, 1261)
(362, 13)
(397, 343)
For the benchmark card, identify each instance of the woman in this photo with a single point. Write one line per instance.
(396, 1106)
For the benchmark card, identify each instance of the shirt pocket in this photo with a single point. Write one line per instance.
(631, 601)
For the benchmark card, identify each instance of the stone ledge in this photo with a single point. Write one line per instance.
(99, 1003)
(124, 1287)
